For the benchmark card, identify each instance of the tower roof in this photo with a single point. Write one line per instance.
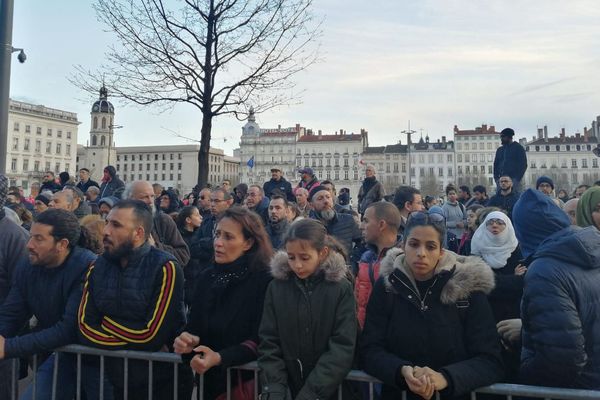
(102, 105)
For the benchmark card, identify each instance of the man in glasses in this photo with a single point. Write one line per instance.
(202, 248)
(407, 199)
(49, 183)
(506, 198)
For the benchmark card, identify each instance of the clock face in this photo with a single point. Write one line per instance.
(96, 108)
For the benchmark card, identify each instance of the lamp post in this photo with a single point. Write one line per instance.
(110, 138)
(408, 134)
(6, 50)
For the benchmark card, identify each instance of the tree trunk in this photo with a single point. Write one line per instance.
(204, 152)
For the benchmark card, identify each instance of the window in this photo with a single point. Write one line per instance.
(403, 167)
(171, 157)
(459, 157)
(68, 150)
(27, 128)
(16, 128)
(421, 159)
(155, 158)
(490, 169)
(459, 146)
(38, 146)
(179, 157)
(147, 157)
(449, 171)
(396, 167)
(573, 163)
(103, 122)
(594, 163)
(467, 158)
(36, 166)
(421, 171)
(179, 166)
(467, 170)
(430, 158)
(346, 174)
(125, 157)
(171, 166)
(178, 177)
(49, 132)
(25, 165)
(337, 175)
(355, 175)
(48, 147)
(141, 166)
(148, 167)
(118, 157)
(133, 167)
(155, 177)
(489, 146)
(125, 167)
(431, 173)
(466, 146)
(584, 163)
(490, 158)
(59, 134)
(481, 146)
(67, 167)
(163, 157)
(482, 169)
(68, 134)
(155, 167)
(163, 175)
(164, 167)
(57, 167)
(15, 143)
(38, 130)
(13, 164)
(449, 157)
(58, 148)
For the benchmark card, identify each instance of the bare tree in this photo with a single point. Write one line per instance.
(430, 186)
(217, 55)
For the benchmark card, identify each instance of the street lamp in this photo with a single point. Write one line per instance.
(6, 25)
(110, 138)
(408, 134)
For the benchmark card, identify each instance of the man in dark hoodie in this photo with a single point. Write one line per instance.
(560, 309)
(111, 184)
(278, 185)
(510, 160)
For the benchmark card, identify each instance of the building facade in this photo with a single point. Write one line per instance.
(475, 152)
(172, 166)
(391, 165)
(432, 165)
(39, 139)
(568, 160)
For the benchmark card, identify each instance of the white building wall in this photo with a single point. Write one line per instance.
(475, 159)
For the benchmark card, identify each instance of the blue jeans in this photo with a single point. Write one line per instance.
(66, 386)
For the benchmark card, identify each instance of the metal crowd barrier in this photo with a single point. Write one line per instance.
(502, 389)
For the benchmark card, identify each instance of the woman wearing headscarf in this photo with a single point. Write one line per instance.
(495, 241)
(588, 208)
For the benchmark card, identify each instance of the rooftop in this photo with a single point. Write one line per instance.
(578, 139)
(480, 130)
(330, 138)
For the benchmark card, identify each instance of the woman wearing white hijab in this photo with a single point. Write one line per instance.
(495, 241)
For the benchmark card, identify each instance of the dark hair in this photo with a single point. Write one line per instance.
(76, 191)
(583, 186)
(404, 194)
(480, 189)
(465, 189)
(328, 182)
(474, 207)
(315, 233)
(141, 213)
(387, 212)
(23, 213)
(252, 228)
(85, 169)
(226, 194)
(597, 183)
(185, 212)
(16, 194)
(92, 235)
(423, 218)
(64, 225)
(278, 196)
(49, 173)
(449, 188)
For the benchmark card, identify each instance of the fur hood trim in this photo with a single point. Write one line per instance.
(334, 267)
(471, 274)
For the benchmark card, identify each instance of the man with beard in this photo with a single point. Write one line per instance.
(165, 235)
(339, 225)
(506, 198)
(510, 159)
(278, 221)
(278, 185)
(111, 184)
(202, 247)
(47, 286)
(49, 183)
(133, 299)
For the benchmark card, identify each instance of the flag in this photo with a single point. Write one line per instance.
(250, 162)
(361, 162)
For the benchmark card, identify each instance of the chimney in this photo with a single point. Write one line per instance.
(492, 129)
(540, 133)
(578, 135)
(545, 133)
(586, 134)
(562, 135)
(279, 127)
(484, 127)
(443, 139)
(562, 131)
(319, 132)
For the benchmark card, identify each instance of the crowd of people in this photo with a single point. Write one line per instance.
(427, 296)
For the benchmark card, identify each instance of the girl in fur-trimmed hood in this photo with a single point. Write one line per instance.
(308, 329)
(429, 327)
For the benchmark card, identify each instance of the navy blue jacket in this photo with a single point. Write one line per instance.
(343, 228)
(506, 203)
(561, 311)
(282, 186)
(84, 186)
(262, 209)
(52, 295)
(201, 243)
(510, 160)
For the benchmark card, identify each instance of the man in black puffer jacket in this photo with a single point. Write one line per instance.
(278, 185)
(339, 225)
(560, 309)
(133, 299)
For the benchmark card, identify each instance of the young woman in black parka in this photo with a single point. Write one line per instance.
(228, 301)
(429, 327)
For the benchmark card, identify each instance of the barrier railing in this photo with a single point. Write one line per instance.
(502, 389)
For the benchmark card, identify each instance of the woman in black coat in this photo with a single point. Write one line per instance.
(429, 326)
(228, 301)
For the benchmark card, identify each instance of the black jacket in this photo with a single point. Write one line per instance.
(505, 299)
(13, 242)
(282, 186)
(452, 331)
(506, 203)
(84, 186)
(114, 187)
(308, 330)
(262, 209)
(52, 295)
(226, 312)
(201, 243)
(343, 228)
(192, 270)
(167, 237)
(50, 186)
(510, 160)
(561, 312)
(277, 233)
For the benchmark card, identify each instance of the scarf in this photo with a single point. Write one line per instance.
(368, 184)
(494, 249)
(224, 274)
(587, 203)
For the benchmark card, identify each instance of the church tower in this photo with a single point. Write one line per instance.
(101, 148)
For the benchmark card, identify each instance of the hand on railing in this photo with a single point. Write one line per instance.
(437, 378)
(205, 359)
(185, 343)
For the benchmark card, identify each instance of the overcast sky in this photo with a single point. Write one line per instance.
(439, 63)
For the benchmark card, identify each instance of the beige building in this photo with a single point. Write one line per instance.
(475, 152)
(432, 165)
(391, 164)
(39, 139)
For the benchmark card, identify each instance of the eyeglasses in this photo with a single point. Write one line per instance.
(496, 221)
(217, 201)
(425, 217)
(504, 181)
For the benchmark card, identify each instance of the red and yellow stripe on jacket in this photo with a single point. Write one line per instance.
(94, 335)
(161, 307)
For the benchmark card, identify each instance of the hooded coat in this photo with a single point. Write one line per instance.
(114, 187)
(560, 310)
(308, 330)
(510, 160)
(452, 330)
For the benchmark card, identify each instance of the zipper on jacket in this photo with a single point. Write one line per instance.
(416, 293)
(301, 368)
